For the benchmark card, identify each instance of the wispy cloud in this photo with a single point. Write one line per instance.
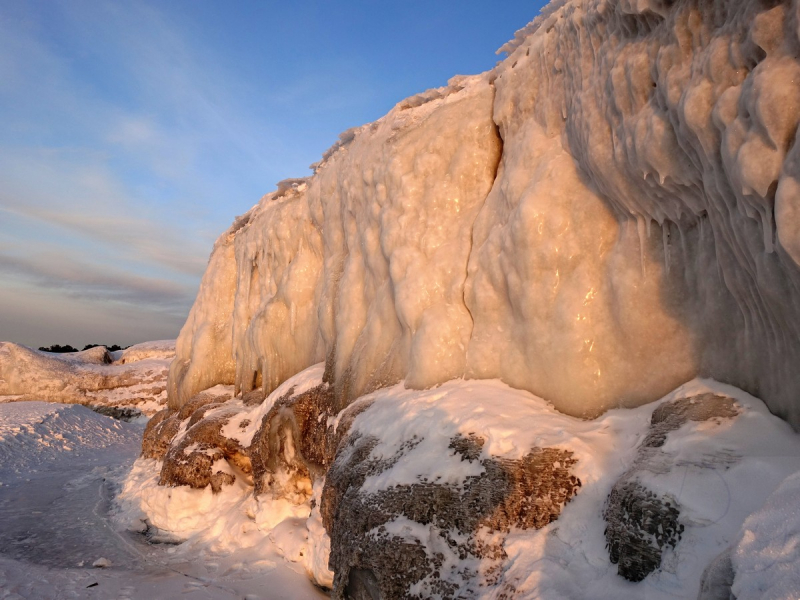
(75, 190)
(129, 144)
(86, 281)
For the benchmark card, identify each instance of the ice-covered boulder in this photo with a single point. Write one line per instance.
(158, 350)
(477, 489)
(643, 522)
(162, 428)
(430, 538)
(122, 384)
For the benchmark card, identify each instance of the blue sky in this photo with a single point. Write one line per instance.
(132, 133)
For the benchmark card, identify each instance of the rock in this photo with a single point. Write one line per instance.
(121, 413)
(296, 440)
(203, 455)
(101, 563)
(374, 550)
(165, 424)
(641, 523)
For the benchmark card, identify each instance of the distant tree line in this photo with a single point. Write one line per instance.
(61, 349)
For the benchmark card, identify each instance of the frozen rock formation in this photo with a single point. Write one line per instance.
(642, 523)
(387, 542)
(606, 214)
(475, 489)
(121, 384)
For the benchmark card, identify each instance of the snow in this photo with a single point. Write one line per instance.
(231, 524)
(35, 434)
(766, 558)
(134, 378)
(61, 467)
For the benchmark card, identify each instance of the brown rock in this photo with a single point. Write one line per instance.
(295, 439)
(191, 461)
(165, 424)
(371, 562)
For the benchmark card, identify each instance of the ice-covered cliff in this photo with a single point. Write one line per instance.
(608, 213)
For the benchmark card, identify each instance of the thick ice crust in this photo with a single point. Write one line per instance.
(608, 213)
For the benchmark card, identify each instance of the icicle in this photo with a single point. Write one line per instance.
(665, 242)
(766, 225)
(640, 229)
(683, 244)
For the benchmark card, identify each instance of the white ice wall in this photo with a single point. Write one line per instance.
(396, 208)
(278, 261)
(607, 213)
(682, 116)
(204, 349)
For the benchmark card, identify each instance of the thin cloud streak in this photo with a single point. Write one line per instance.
(86, 281)
(153, 243)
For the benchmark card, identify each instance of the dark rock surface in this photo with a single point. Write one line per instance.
(641, 523)
(371, 561)
(120, 413)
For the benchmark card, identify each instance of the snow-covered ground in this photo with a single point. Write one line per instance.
(60, 468)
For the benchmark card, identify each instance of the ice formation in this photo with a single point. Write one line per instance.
(123, 383)
(606, 214)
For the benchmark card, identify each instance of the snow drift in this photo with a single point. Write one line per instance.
(606, 214)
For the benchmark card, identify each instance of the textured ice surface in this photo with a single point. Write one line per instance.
(609, 212)
(134, 379)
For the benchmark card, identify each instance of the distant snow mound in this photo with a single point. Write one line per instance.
(160, 350)
(132, 381)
